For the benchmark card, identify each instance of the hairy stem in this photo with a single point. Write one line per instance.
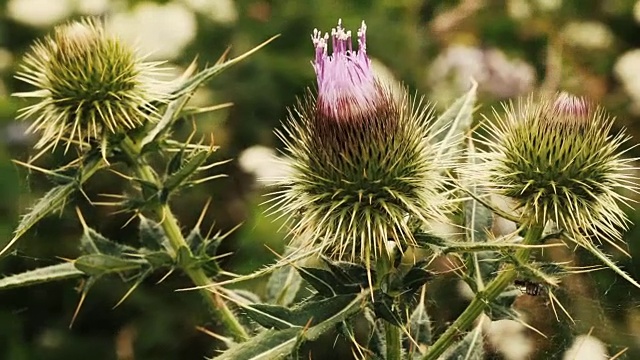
(393, 334)
(169, 224)
(484, 298)
(393, 340)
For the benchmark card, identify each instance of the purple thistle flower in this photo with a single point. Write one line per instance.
(570, 105)
(347, 87)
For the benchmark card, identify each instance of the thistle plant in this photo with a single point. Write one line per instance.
(365, 170)
(558, 161)
(372, 169)
(89, 85)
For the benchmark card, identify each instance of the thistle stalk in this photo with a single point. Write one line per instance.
(169, 224)
(486, 296)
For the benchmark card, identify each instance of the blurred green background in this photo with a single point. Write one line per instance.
(511, 48)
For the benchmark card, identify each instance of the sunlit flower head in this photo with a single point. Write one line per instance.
(364, 169)
(88, 85)
(556, 157)
(346, 84)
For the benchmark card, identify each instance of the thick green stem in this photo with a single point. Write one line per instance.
(393, 334)
(394, 341)
(483, 298)
(169, 224)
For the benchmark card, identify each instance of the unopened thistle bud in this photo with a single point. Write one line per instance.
(557, 159)
(89, 84)
(364, 170)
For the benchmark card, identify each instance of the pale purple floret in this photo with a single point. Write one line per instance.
(346, 84)
(570, 105)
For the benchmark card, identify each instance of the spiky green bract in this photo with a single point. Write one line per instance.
(89, 84)
(557, 159)
(360, 181)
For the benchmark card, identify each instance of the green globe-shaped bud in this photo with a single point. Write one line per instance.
(364, 167)
(557, 159)
(89, 84)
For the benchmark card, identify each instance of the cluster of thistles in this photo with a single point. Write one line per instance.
(366, 166)
(366, 169)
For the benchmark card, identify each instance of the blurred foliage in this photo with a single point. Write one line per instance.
(406, 36)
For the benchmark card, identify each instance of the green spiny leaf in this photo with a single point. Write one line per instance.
(52, 201)
(283, 285)
(151, 234)
(171, 113)
(100, 264)
(350, 273)
(187, 170)
(416, 277)
(419, 329)
(355, 306)
(195, 81)
(456, 121)
(471, 347)
(93, 242)
(41, 275)
(268, 345)
(311, 312)
(326, 282)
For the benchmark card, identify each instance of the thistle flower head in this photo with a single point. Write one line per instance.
(557, 160)
(364, 169)
(88, 83)
(346, 84)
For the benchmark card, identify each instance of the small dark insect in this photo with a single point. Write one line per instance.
(529, 287)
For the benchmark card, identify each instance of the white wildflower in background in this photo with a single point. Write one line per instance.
(264, 164)
(586, 347)
(519, 9)
(509, 338)
(548, 5)
(160, 30)
(220, 11)
(41, 13)
(627, 70)
(591, 35)
(6, 59)
(93, 7)
(636, 11)
(497, 75)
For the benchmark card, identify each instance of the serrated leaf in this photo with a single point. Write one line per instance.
(278, 344)
(283, 285)
(377, 341)
(52, 201)
(355, 306)
(419, 328)
(311, 312)
(171, 113)
(189, 167)
(55, 198)
(206, 74)
(151, 234)
(326, 282)
(427, 240)
(471, 347)
(416, 277)
(41, 275)
(158, 259)
(350, 273)
(478, 222)
(455, 122)
(92, 242)
(388, 309)
(268, 345)
(100, 264)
